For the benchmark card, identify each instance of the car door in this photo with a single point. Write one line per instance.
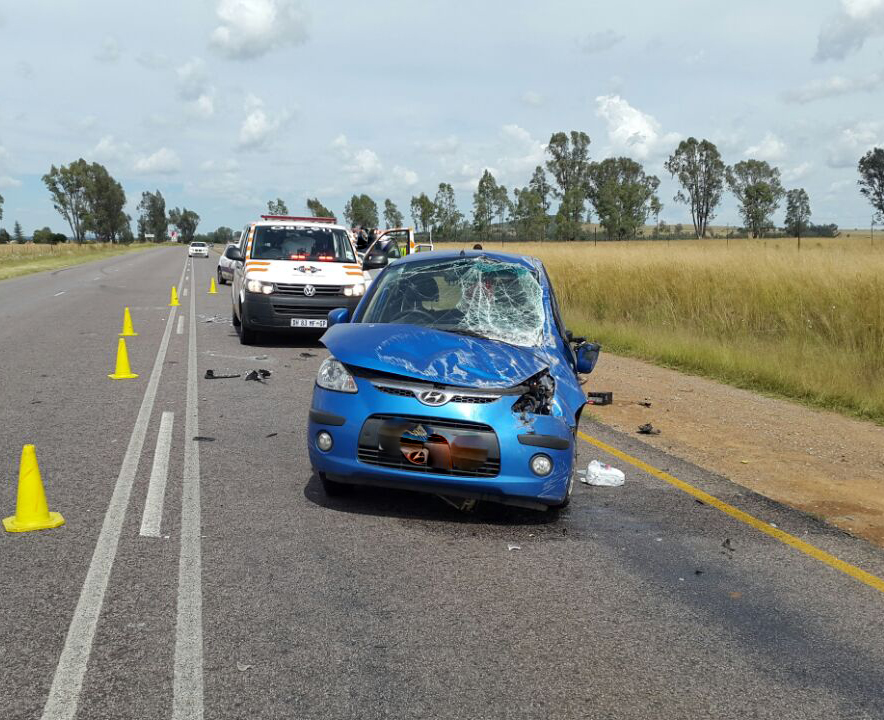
(239, 268)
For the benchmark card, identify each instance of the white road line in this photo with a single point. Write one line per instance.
(64, 694)
(59, 293)
(185, 292)
(187, 687)
(152, 517)
(180, 330)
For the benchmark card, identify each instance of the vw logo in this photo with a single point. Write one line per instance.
(433, 398)
(309, 290)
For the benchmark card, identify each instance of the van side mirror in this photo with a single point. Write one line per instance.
(338, 315)
(375, 261)
(233, 253)
(587, 356)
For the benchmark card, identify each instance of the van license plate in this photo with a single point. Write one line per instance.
(308, 323)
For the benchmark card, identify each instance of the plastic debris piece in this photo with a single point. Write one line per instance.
(462, 504)
(648, 429)
(306, 354)
(242, 667)
(513, 546)
(602, 475)
(272, 435)
(599, 398)
(258, 375)
(727, 545)
(203, 438)
(646, 402)
(212, 375)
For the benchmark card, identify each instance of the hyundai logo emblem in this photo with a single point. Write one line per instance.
(433, 398)
(309, 290)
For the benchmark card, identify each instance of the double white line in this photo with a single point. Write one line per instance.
(67, 682)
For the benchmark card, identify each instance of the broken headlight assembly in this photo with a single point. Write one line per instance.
(538, 395)
(333, 375)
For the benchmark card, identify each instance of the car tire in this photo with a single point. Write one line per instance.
(247, 336)
(333, 488)
(567, 501)
(221, 280)
(233, 318)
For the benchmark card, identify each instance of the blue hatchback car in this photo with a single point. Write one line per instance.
(455, 376)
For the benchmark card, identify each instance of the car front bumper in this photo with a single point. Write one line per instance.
(344, 417)
(275, 312)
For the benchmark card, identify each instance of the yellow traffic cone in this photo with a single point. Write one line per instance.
(123, 371)
(174, 301)
(128, 330)
(212, 289)
(31, 510)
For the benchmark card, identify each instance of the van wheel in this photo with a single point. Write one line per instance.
(233, 318)
(247, 336)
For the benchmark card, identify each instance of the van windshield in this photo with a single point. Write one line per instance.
(274, 242)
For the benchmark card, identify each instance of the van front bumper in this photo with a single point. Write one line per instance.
(275, 312)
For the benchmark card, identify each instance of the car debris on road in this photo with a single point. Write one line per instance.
(648, 429)
(601, 475)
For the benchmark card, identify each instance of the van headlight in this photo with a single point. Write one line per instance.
(354, 290)
(333, 375)
(258, 286)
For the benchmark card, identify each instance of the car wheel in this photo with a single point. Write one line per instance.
(233, 318)
(333, 488)
(221, 280)
(247, 336)
(562, 505)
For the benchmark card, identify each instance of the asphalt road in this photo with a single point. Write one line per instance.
(259, 597)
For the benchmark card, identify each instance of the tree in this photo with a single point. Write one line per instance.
(757, 187)
(392, 217)
(67, 185)
(422, 211)
(529, 215)
(484, 205)
(568, 162)
(277, 207)
(105, 200)
(45, 236)
(186, 221)
(153, 216)
(540, 185)
(361, 210)
(4, 236)
(317, 209)
(502, 206)
(570, 214)
(700, 172)
(871, 181)
(447, 217)
(1, 207)
(797, 212)
(223, 235)
(17, 233)
(622, 195)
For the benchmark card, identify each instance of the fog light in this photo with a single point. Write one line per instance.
(541, 465)
(324, 441)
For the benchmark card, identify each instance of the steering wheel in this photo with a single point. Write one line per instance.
(414, 312)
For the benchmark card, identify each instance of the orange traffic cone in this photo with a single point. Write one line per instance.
(212, 289)
(174, 301)
(128, 330)
(31, 509)
(123, 371)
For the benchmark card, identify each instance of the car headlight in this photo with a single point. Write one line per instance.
(258, 286)
(354, 290)
(333, 375)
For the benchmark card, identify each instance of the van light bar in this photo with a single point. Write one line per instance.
(300, 219)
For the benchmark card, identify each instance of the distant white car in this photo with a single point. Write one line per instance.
(225, 266)
(198, 249)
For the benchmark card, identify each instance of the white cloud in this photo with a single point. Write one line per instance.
(152, 60)
(599, 41)
(853, 142)
(520, 153)
(109, 150)
(193, 87)
(407, 178)
(771, 148)
(251, 28)
(8, 181)
(833, 87)
(24, 69)
(847, 31)
(109, 52)
(799, 172)
(446, 146)
(163, 162)
(631, 131)
(5, 179)
(532, 99)
(362, 165)
(258, 128)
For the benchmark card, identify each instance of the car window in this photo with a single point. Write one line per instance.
(198, 244)
(393, 251)
(478, 296)
(243, 240)
(280, 242)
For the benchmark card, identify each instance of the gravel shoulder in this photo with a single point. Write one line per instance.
(822, 463)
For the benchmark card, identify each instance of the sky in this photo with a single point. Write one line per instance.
(223, 105)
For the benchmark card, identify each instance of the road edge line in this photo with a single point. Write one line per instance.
(152, 517)
(816, 553)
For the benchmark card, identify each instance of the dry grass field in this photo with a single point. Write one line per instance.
(757, 314)
(28, 258)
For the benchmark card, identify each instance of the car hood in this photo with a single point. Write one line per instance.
(433, 355)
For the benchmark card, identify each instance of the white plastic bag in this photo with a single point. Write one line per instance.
(602, 475)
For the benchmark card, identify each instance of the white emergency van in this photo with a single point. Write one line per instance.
(289, 272)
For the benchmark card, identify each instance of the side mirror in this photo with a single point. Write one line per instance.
(338, 315)
(587, 357)
(375, 262)
(233, 253)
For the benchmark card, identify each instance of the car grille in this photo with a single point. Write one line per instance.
(302, 312)
(298, 289)
(470, 399)
(370, 453)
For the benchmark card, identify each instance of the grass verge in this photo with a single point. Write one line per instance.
(17, 260)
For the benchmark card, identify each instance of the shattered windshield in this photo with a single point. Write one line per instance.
(477, 296)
